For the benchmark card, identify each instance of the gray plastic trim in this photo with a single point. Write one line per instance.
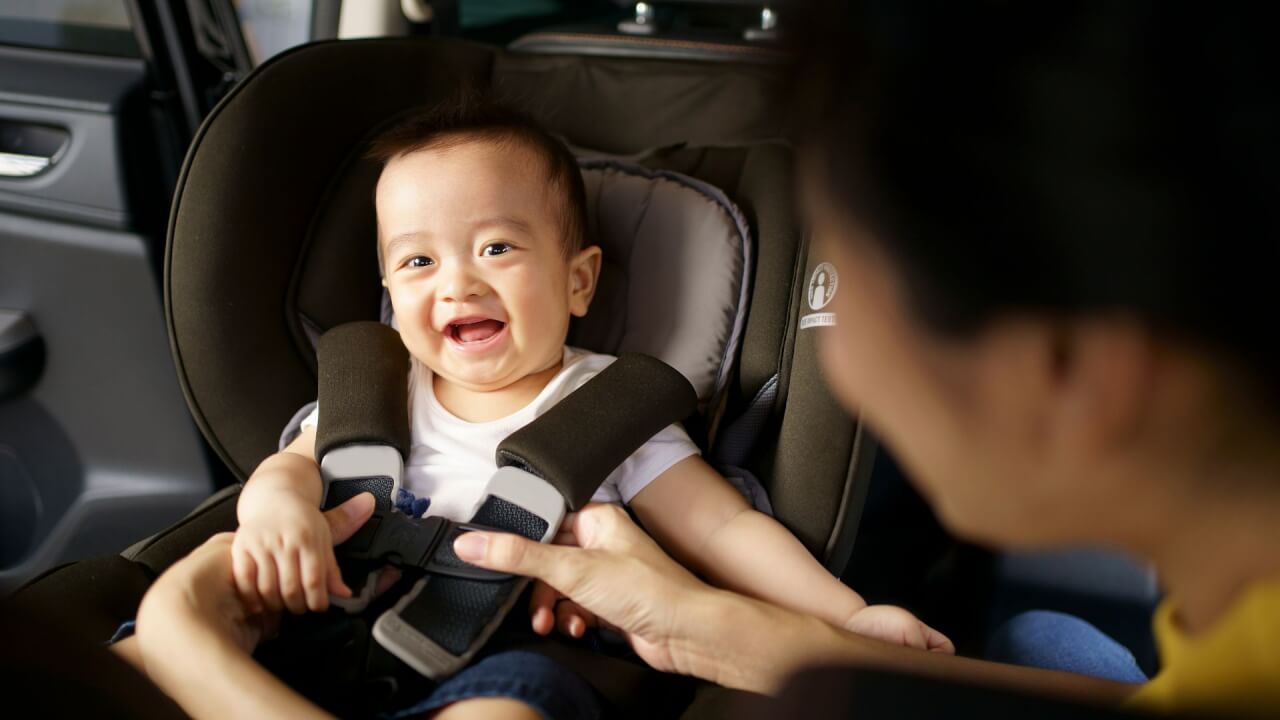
(361, 461)
(359, 600)
(113, 501)
(529, 492)
(419, 651)
(16, 329)
(104, 436)
(84, 182)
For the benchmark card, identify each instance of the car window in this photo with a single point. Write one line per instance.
(273, 26)
(90, 26)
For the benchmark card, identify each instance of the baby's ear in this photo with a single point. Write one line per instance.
(584, 271)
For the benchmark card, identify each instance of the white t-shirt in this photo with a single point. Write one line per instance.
(450, 459)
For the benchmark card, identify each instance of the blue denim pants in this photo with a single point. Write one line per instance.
(535, 680)
(1057, 641)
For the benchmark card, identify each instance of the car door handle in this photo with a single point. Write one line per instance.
(21, 354)
(28, 149)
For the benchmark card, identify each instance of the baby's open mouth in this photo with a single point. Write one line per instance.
(474, 331)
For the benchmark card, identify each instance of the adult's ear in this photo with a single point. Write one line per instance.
(584, 273)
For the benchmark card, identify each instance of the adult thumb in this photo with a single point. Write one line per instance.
(347, 518)
(560, 567)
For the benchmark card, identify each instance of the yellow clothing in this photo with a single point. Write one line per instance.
(1232, 667)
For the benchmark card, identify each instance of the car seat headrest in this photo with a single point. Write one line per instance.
(677, 269)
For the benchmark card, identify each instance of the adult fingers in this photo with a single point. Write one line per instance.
(563, 568)
(572, 619)
(347, 518)
(542, 602)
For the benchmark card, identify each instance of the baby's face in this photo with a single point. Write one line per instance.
(474, 263)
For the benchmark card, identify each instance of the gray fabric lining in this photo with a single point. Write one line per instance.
(737, 440)
(730, 347)
(294, 427)
(751, 488)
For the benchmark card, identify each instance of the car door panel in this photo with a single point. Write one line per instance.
(101, 449)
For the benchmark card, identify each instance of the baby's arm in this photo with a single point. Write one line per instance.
(283, 550)
(709, 527)
(706, 524)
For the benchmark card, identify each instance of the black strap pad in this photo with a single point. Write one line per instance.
(364, 373)
(584, 437)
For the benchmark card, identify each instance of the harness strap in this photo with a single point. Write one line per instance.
(363, 435)
(579, 441)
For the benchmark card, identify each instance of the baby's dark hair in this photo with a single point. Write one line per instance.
(475, 119)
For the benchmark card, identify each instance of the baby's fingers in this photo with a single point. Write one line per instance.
(315, 579)
(268, 589)
(291, 580)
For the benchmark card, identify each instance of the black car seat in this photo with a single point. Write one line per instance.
(270, 241)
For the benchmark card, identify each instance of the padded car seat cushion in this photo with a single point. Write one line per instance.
(648, 222)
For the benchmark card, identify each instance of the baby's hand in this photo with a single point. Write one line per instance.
(282, 554)
(896, 625)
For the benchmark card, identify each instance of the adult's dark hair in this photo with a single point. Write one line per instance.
(1063, 159)
(469, 119)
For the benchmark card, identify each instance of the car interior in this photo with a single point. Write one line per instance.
(185, 208)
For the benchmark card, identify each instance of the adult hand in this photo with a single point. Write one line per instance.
(616, 572)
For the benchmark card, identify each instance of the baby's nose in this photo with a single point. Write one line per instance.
(461, 282)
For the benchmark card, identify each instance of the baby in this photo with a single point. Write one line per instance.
(482, 247)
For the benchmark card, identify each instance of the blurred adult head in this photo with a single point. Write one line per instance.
(1055, 231)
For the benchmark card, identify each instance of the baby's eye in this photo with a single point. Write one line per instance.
(420, 261)
(498, 248)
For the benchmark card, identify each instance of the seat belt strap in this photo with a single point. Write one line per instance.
(363, 436)
(579, 441)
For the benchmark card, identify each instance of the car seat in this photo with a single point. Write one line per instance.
(270, 242)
